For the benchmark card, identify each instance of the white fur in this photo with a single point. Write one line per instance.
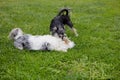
(56, 43)
(37, 41)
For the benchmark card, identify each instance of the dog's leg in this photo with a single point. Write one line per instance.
(63, 50)
(18, 45)
(69, 23)
(75, 31)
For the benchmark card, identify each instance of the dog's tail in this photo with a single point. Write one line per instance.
(64, 10)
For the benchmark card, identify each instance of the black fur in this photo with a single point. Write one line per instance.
(46, 46)
(58, 22)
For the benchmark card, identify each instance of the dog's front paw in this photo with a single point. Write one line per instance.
(20, 48)
(76, 35)
(64, 50)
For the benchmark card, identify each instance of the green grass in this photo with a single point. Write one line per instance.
(96, 55)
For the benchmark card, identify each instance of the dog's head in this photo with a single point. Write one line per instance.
(65, 18)
(15, 33)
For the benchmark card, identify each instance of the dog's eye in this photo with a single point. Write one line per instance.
(14, 35)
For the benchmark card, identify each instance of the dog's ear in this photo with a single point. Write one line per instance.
(16, 31)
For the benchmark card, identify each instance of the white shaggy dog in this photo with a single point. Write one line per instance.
(38, 42)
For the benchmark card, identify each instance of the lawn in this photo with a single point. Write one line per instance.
(96, 55)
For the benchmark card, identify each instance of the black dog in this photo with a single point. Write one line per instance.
(58, 22)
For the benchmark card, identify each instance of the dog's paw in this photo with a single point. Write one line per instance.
(64, 50)
(76, 35)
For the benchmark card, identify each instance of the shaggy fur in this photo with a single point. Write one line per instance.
(58, 22)
(38, 42)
